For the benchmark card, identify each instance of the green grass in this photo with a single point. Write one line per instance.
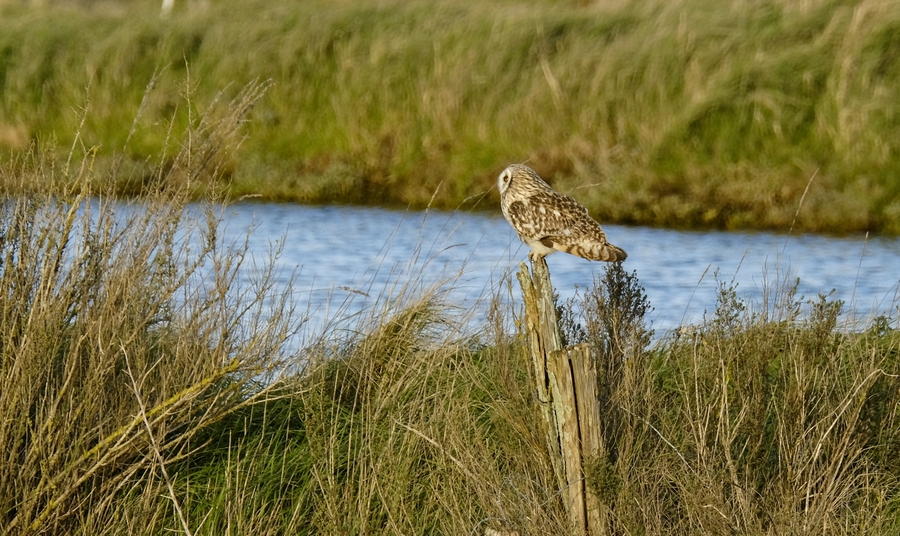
(688, 114)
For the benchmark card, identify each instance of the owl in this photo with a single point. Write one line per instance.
(549, 221)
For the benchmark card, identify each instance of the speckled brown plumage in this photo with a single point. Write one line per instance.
(549, 221)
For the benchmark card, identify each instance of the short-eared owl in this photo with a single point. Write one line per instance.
(549, 221)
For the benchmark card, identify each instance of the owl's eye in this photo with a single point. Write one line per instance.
(506, 177)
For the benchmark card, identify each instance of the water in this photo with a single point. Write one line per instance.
(346, 259)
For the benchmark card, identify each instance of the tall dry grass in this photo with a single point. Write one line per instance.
(123, 332)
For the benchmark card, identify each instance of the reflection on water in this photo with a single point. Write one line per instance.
(350, 255)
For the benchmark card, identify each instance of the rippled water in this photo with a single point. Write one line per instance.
(352, 256)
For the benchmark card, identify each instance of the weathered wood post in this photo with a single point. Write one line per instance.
(566, 386)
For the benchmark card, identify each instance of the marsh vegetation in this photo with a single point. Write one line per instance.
(688, 114)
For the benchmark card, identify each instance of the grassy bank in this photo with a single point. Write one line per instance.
(693, 113)
(146, 392)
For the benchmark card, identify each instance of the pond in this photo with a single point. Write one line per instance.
(348, 259)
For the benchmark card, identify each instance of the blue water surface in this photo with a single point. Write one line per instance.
(347, 259)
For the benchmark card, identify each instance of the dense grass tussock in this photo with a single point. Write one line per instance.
(692, 113)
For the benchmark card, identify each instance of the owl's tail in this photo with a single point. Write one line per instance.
(611, 253)
(604, 251)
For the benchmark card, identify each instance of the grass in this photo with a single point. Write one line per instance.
(145, 391)
(687, 114)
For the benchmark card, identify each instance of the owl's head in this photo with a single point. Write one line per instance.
(523, 177)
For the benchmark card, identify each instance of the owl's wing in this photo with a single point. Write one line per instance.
(558, 222)
(550, 215)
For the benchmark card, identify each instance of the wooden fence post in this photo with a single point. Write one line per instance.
(566, 386)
